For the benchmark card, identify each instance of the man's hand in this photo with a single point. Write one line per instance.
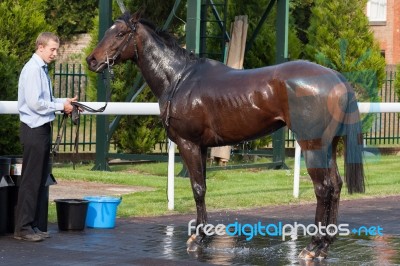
(68, 106)
(70, 100)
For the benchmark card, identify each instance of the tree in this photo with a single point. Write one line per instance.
(9, 142)
(340, 38)
(22, 21)
(300, 13)
(70, 17)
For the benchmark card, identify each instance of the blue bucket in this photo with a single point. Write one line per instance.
(102, 211)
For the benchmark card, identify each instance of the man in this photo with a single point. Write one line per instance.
(36, 106)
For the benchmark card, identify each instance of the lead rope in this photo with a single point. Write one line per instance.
(75, 116)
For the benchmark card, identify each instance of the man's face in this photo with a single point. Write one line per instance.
(48, 52)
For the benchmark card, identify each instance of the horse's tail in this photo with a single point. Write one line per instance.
(354, 169)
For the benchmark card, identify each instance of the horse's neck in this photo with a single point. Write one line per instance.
(160, 68)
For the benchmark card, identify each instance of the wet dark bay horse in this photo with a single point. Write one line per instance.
(204, 103)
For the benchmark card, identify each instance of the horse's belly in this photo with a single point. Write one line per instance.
(232, 130)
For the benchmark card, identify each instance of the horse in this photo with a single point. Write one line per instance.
(204, 103)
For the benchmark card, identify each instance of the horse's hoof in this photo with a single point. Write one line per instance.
(306, 255)
(193, 247)
(321, 255)
(191, 239)
(192, 244)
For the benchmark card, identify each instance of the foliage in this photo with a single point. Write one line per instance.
(9, 142)
(22, 21)
(70, 17)
(397, 80)
(135, 134)
(263, 50)
(139, 135)
(91, 91)
(300, 12)
(348, 46)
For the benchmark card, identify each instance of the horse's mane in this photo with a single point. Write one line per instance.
(167, 38)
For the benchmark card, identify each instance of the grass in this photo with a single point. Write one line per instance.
(226, 189)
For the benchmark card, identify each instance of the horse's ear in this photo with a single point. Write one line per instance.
(138, 14)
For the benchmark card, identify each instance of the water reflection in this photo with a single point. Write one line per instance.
(387, 249)
(228, 250)
(168, 241)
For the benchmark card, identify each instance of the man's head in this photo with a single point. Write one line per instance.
(47, 45)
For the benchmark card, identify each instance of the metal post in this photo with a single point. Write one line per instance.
(193, 26)
(171, 175)
(282, 29)
(105, 10)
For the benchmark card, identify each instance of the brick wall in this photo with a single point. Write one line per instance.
(73, 51)
(396, 32)
(388, 35)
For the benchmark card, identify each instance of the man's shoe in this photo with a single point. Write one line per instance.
(41, 233)
(29, 237)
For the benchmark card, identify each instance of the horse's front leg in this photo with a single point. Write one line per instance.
(194, 158)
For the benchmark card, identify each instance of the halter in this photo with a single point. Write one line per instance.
(121, 49)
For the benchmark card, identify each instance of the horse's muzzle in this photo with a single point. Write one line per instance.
(94, 65)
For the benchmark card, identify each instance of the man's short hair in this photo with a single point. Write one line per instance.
(45, 37)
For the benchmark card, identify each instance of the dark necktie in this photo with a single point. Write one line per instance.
(46, 70)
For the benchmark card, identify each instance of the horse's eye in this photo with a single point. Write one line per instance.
(120, 35)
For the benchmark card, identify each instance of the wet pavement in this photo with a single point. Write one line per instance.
(162, 240)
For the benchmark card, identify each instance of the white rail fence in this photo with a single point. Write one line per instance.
(123, 108)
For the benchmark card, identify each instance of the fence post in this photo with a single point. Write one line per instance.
(105, 8)
(282, 31)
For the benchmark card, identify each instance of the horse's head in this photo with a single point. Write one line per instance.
(117, 45)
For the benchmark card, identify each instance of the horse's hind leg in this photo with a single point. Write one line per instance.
(322, 192)
(336, 183)
(321, 165)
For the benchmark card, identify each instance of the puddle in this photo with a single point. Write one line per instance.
(162, 240)
(236, 250)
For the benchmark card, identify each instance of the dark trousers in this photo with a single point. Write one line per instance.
(36, 156)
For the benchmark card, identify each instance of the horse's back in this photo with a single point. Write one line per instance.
(220, 102)
(317, 99)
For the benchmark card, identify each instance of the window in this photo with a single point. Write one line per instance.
(376, 10)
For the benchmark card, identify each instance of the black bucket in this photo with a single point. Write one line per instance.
(71, 213)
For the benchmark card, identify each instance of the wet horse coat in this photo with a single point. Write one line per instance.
(214, 99)
(205, 103)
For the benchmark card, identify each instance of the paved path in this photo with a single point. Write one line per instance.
(161, 240)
